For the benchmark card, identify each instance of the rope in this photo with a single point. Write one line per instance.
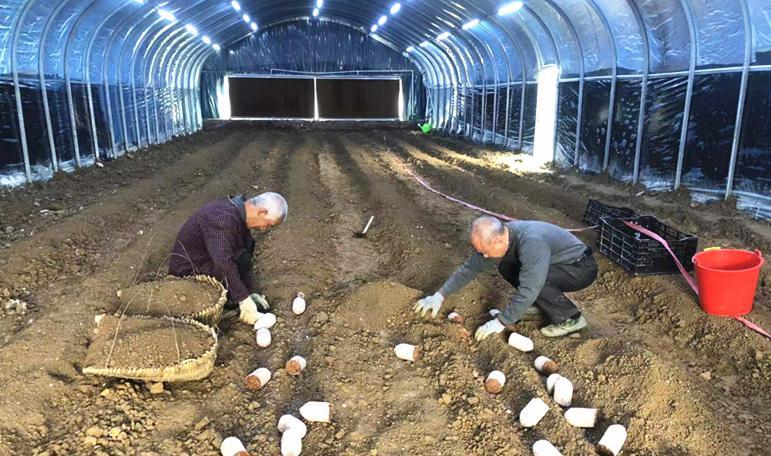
(469, 205)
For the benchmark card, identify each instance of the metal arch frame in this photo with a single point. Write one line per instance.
(558, 55)
(581, 75)
(463, 128)
(167, 80)
(748, 50)
(145, 32)
(496, 77)
(509, 77)
(149, 80)
(17, 90)
(643, 90)
(107, 93)
(453, 48)
(450, 80)
(693, 29)
(494, 23)
(162, 46)
(68, 82)
(42, 75)
(439, 81)
(108, 52)
(471, 85)
(614, 76)
(523, 65)
(135, 27)
(469, 43)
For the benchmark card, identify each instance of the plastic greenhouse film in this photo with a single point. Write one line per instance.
(567, 118)
(663, 123)
(624, 135)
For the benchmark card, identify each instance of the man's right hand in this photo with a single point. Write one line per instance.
(249, 313)
(432, 303)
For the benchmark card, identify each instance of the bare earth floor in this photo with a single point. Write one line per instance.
(682, 383)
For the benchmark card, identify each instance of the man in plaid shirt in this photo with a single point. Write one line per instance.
(216, 241)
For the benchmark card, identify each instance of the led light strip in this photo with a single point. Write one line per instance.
(189, 28)
(317, 10)
(382, 20)
(508, 8)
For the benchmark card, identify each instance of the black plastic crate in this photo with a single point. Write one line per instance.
(638, 253)
(596, 210)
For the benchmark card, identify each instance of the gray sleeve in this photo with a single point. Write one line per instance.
(466, 273)
(535, 256)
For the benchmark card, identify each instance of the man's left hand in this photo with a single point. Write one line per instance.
(260, 301)
(491, 327)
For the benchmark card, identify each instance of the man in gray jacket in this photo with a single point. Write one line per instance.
(542, 261)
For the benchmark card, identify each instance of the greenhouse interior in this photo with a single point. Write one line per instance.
(260, 227)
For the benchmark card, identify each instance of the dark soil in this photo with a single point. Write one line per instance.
(141, 343)
(170, 297)
(681, 382)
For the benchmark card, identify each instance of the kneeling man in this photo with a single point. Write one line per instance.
(542, 261)
(217, 241)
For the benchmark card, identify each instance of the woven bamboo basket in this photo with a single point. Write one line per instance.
(186, 370)
(210, 316)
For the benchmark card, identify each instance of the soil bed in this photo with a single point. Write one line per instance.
(170, 297)
(681, 382)
(145, 343)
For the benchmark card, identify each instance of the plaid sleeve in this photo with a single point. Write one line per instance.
(220, 234)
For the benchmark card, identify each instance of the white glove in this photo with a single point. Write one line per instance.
(432, 303)
(491, 327)
(260, 299)
(249, 313)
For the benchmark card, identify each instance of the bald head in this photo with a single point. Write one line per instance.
(489, 237)
(266, 210)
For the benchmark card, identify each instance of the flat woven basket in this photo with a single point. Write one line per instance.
(187, 370)
(210, 316)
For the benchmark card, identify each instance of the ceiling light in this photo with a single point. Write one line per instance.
(373, 29)
(425, 44)
(166, 15)
(395, 9)
(382, 20)
(254, 26)
(471, 24)
(206, 39)
(216, 47)
(316, 12)
(236, 6)
(410, 49)
(443, 36)
(509, 8)
(246, 18)
(319, 4)
(191, 29)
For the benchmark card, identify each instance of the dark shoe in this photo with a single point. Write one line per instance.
(563, 329)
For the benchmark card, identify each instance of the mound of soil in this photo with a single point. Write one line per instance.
(171, 297)
(371, 306)
(145, 343)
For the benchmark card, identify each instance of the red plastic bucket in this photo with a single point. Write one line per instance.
(727, 280)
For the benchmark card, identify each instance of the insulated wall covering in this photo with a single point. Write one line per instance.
(664, 93)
